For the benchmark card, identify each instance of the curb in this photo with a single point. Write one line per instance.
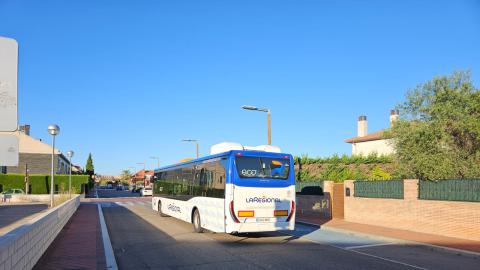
(388, 239)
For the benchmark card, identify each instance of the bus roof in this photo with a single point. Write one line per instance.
(224, 154)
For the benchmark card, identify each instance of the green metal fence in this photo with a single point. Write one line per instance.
(450, 190)
(387, 189)
(300, 185)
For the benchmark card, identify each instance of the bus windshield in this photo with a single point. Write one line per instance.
(263, 167)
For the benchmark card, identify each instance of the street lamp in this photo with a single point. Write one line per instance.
(269, 119)
(53, 130)
(194, 141)
(158, 161)
(70, 155)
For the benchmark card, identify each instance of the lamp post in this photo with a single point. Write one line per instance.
(194, 141)
(53, 130)
(70, 155)
(158, 161)
(269, 119)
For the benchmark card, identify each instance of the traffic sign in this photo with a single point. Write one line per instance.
(8, 84)
(8, 149)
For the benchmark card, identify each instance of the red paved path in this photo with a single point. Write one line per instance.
(79, 245)
(431, 239)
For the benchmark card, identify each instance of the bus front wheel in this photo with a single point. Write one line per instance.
(197, 222)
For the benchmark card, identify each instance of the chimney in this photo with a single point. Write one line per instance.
(394, 116)
(362, 126)
(25, 129)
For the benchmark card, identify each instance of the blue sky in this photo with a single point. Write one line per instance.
(127, 80)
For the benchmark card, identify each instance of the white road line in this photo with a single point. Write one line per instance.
(388, 260)
(356, 251)
(372, 245)
(107, 245)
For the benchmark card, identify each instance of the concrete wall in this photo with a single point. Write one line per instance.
(23, 247)
(381, 147)
(447, 218)
(45, 198)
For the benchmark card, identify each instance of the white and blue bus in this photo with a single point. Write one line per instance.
(232, 192)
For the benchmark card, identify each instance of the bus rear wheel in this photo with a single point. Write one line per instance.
(197, 222)
(160, 209)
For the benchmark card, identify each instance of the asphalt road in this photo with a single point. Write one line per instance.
(112, 193)
(141, 239)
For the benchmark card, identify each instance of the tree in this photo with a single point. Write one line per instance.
(125, 176)
(438, 136)
(89, 168)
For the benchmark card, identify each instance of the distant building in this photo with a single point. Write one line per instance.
(76, 169)
(368, 143)
(36, 156)
(144, 176)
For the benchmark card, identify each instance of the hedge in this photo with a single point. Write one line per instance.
(40, 184)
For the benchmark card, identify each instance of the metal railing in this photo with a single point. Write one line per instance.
(450, 190)
(386, 189)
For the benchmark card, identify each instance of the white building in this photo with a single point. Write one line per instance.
(368, 143)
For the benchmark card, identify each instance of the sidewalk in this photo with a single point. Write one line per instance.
(79, 245)
(13, 215)
(409, 236)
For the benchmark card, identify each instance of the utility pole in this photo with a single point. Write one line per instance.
(27, 182)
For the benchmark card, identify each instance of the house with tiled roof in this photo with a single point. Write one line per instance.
(36, 156)
(145, 176)
(366, 143)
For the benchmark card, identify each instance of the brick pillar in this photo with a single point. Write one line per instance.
(349, 184)
(328, 186)
(410, 189)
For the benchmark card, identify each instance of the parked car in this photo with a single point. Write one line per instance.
(146, 191)
(137, 188)
(14, 191)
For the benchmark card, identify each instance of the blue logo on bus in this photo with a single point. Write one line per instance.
(262, 200)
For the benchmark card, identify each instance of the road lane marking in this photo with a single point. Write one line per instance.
(386, 259)
(372, 245)
(351, 248)
(107, 245)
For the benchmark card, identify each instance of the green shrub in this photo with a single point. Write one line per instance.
(40, 184)
(373, 158)
(378, 174)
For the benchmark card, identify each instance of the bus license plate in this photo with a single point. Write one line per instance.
(260, 219)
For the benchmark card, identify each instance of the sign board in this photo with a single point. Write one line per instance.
(8, 149)
(8, 84)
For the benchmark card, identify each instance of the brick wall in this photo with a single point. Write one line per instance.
(447, 218)
(37, 164)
